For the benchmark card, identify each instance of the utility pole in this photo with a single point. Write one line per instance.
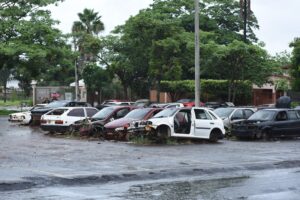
(76, 82)
(245, 14)
(197, 55)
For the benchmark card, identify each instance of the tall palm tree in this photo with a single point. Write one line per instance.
(85, 35)
(89, 26)
(90, 23)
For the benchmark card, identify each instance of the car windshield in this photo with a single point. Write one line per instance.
(184, 100)
(165, 113)
(223, 112)
(56, 104)
(138, 113)
(102, 114)
(263, 115)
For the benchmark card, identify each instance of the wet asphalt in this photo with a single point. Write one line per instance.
(36, 166)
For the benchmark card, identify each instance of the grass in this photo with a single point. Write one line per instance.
(6, 112)
(14, 103)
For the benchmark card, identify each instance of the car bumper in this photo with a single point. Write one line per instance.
(54, 128)
(244, 133)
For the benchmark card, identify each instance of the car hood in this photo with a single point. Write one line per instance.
(41, 110)
(21, 113)
(119, 123)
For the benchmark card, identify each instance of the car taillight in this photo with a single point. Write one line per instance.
(43, 121)
(59, 122)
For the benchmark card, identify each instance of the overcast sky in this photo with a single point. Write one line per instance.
(278, 19)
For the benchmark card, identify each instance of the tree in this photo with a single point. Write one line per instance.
(30, 42)
(239, 61)
(96, 78)
(295, 70)
(160, 42)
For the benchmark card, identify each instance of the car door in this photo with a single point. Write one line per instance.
(75, 115)
(294, 127)
(281, 124)
(237, 116)
(203, 123)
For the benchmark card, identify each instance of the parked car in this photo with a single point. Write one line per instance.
(38, 112)
(60, 119)
(121, 125)
(268, 123)
(196, 122)
(96, 122)
(115, 103)
(215, 105)
(231, 115)
(24, 117)
(189, 102)
(142, 103)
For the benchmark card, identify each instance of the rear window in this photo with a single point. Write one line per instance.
(78, 112)
(57, 112)
(91, 111)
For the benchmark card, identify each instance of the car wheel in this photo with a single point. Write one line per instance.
(214, 136)
(163, 132)
(71, 129)
(265, 135)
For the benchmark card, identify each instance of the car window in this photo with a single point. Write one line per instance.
(201, 114)
(223, 112)
(57, 112)
(104, 113)
(77, 112)
(248, 113)
(292, 114)
(91, 111)
(121, 113)
(281, 116)
(238, 114)
(213, 115)
(263, 115)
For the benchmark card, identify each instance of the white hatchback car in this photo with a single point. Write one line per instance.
(196, 122)
(24, 118)
(60, 119)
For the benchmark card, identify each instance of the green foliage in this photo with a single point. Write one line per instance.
(211, 90)
(295, 70)
(29, 43)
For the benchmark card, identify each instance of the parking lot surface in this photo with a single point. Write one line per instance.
(32, 163)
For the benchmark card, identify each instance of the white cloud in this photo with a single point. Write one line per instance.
(278, 19)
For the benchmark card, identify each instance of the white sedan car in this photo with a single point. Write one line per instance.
(24, 118)
(187, 123)
(60, 119)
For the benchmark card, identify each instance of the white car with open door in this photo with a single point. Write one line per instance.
(196, 122)
(60, 119)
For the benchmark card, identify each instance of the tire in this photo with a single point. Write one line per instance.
(265, 135)
(164, 132)
(214, 136)
(71, 129)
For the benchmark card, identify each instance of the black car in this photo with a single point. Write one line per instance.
(269, 123)
(37, 113)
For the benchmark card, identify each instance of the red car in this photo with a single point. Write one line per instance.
(120, 126)
(96, 123)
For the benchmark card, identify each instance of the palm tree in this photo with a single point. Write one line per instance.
(85, 37)
(85, 31)
(90, 23)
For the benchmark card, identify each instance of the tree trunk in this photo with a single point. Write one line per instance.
(158, 90)
(234, 92)
(125, 87)
(5, 92)
(229, 92)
